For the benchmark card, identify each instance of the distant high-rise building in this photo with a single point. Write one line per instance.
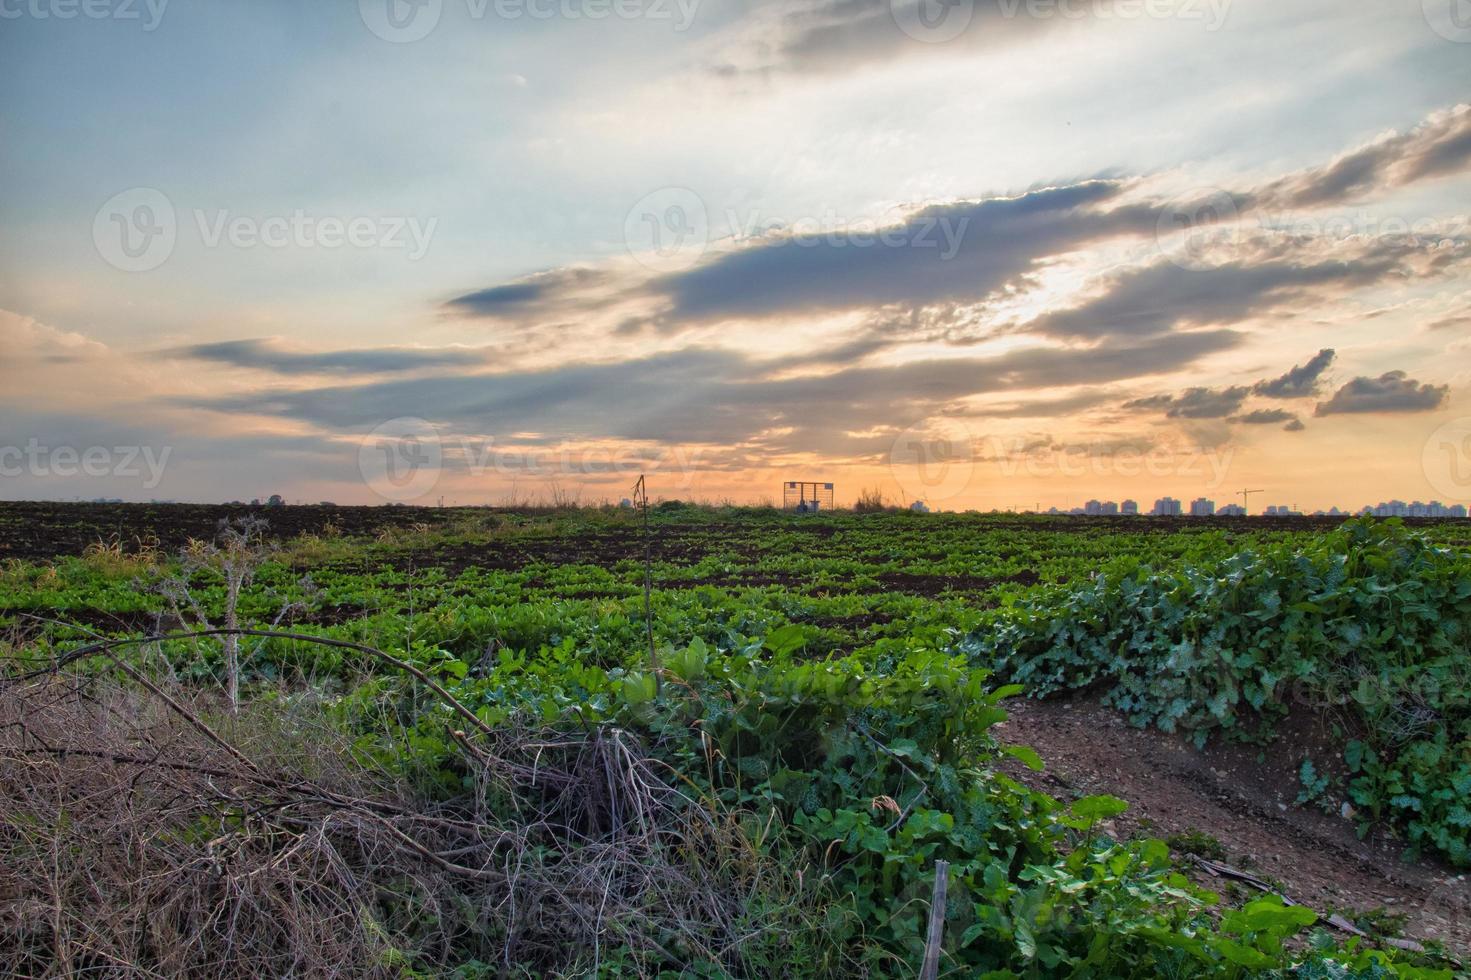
(1205, 507)
(1167, 507)
(1398, 508)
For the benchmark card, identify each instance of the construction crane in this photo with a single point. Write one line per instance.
(1246, 499)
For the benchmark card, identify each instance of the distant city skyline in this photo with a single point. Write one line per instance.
(1164, 506)
(1208, 507)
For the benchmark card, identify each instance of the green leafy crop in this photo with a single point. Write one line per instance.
(1370, 623)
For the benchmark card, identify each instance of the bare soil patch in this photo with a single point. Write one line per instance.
(1245, 803)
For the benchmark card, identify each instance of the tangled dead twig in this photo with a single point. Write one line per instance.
(146, 831)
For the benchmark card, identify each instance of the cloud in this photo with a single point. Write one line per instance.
(1300, 382)
(845, 35)
(1156, 299)
(1438, 147)
(273, 355)
(1264, 416)
(974, 252)
(527, 294)
(1032, 408)
(1390, 392)
(1225, 403)
(24, 338)
(1296, 425)
(1194, 403)
(701, 395)
(914, 293)
(963, 251)
(830, 37)
(1452, 322)
(498, 298)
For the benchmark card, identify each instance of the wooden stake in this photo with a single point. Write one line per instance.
(931, 968)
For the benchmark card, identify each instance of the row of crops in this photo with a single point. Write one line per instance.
(825, 701)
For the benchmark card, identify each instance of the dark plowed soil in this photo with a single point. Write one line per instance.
(37, 530)
(1245, 804)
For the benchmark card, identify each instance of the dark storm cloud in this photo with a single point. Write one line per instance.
(1194, 403)
(1390, 392)
(271, 355)
(1438, 147)
(1300, 382)
(701, 395)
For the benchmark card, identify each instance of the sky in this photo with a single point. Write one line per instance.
(989, 254)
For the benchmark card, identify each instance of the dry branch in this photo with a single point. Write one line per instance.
(137, 839)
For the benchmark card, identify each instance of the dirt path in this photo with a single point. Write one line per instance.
(1246, 803)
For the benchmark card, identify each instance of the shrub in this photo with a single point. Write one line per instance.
(859, 777)
(871, 501)
(1369, 623)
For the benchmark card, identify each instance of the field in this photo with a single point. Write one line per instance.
(503, 778)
